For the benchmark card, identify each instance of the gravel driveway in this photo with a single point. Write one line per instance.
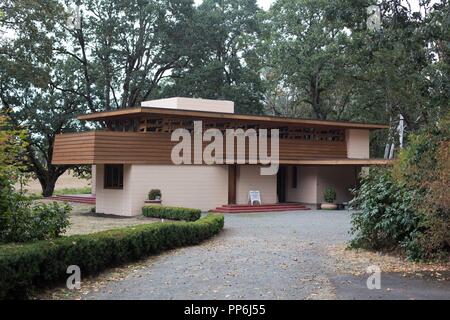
(256, 256)
(291, 255)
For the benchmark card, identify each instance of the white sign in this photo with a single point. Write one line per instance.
(254, 196)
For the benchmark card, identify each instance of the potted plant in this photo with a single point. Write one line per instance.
(154, 196)
(330, 196)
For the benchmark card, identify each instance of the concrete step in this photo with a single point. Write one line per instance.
(261, 208)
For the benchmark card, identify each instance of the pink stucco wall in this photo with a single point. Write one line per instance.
(113, 201)
(340, 178)
(306, 191)
(93, 179)
(203, 187)
(250, 179)
(312, 181)
(357, 143)
(206, 187)
(196, 104)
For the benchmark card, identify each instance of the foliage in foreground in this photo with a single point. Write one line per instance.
(408, 206)
(44, 263)
(387, 217)
(174, 213)
(20, 219)
(32, 222)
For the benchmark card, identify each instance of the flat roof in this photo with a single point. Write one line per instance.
(141, 111)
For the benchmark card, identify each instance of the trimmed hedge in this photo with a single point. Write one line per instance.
(44, 263)
(174, 213)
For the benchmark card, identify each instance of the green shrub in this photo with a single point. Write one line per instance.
(44, 263)
(25, 221)
(386, 218)
(50, 220)
(153, 194)
(329, 195)
(407, 206)
(174, 213)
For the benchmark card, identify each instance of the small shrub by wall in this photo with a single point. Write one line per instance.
(174, 213)
(24, 267)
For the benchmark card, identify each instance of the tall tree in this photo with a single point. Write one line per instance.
(223, 64)
(125, 48)
(113, 57)
(324, 62)
(400, 69)
(304, 52)
(30, 75)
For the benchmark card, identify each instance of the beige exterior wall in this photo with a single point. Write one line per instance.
(312, 181)
(306, 191)
(191, 104)
(206, 187)
(250, 179)
(113, 201)
(93, 179)
(357, 143)
(340, 178)
(203, 187)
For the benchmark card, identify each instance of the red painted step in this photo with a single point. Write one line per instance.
(260, 209)
(262, 206)
(78, 199)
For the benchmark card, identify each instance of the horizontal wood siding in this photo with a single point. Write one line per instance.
(155, 148)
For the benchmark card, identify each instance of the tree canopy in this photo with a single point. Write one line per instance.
(304, 58)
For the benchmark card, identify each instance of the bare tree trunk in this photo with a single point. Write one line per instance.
(48, 185)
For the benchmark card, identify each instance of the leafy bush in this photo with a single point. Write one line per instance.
(175, 213)
(20, 220)
(24, 222)
(424, 166)
(329, 195)
(44, 263)
(408, 206)
(387, 217)
(153, 194)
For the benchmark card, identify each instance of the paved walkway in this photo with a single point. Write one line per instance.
(257, 256)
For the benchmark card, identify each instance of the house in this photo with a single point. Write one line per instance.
(133, 155)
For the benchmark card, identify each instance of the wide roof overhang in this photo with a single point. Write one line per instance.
(340, 162)
(200, 115)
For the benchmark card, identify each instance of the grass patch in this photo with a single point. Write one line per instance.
(64, 191)
(60, 192)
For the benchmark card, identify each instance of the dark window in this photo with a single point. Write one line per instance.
(113, 176)
(294, 177)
